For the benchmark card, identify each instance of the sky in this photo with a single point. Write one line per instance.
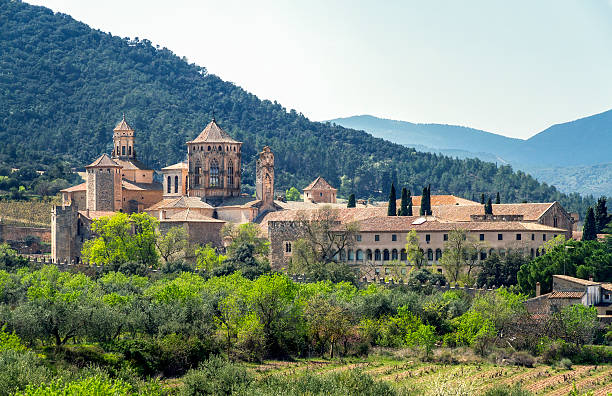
(508, 67)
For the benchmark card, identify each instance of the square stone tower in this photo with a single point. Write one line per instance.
(264, 178)
(104, 191)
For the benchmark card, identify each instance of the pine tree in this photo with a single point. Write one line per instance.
(392, 208)
(601, 215)
(488, 207)
(482, 201)
(589, 231)
(403, 211)
(351, 201)
(497, 199)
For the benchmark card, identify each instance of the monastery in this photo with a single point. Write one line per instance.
(203, 193)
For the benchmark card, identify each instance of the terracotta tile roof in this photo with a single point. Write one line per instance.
(181, 202)
(189, 215)
(607, 286)
(579, 281)
(405, 223)
(180, 165)
(213, 134)
(133, 186)
(319, 184)
(103, 161)
(565, 294)
(131, 164)
(78, 187)
(437, 200)
(301, 205)
(529, 211)
(123, 126)
(95, 214)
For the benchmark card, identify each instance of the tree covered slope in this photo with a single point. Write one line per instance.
(63, 87)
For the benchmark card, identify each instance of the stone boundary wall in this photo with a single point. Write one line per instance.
(19, 233)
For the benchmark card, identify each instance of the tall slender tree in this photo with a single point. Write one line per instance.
(482, 200)
(589, 231)
(488, 207)
(497, 199)
(423, 208)
(403, 211)
(392, 208)
(409, 213)
(601, 215)
(351, 201)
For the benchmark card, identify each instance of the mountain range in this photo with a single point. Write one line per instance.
(64, 86)
(574, 156)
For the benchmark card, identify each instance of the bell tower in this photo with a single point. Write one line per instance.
(264, 183)
(123, 141)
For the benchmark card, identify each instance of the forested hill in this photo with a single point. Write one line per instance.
(64, 86)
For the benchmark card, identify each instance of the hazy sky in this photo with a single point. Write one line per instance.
(511, 67)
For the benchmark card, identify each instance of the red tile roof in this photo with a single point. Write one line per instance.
(564, 294)
(78, 187)
(213, 134)
(103, 161)
(573, 279)
(437, 200)
(319, 184)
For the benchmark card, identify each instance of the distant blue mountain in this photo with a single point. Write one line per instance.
(574, 156)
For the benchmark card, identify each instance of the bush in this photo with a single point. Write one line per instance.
(521, 358)
(216, 376)
(19, 369)
(95, 385)
(565, 363)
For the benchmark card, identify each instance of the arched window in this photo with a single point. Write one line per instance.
(129, 150)
(230, 174)
(169, 186)
(369, 254)
(502, 252)
(532, 253)
(220, 148)
(176, 184)
(430, 255)
(214, 173)
(359, 255)
(403, 255)
(351, 255)
(394, 254)
(197, 171)
(208, 148)
(342, 255)
(491, 251)
(377, 255)
(386, 255)
(438, 254)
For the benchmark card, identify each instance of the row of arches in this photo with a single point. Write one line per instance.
(401, 255)
(214, 177)
(216, 148)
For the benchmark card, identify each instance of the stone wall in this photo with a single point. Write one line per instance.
(63, 233)
(564, 285)
(199, 233)
(17, 234)
(280, 232)
(564, 219)
(100, 190)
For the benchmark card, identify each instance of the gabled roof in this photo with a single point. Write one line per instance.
(579, 281)
(189, 215)
(566, 294)
(319, 184)
(104, 161)
(529, 211)
(78, 187)
(123, 126)
(179, 203)
(131, 164)
(180, 165)
(213, 134)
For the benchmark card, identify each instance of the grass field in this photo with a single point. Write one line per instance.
(457, 379)
(27, 213)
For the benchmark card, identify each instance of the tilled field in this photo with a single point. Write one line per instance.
(427, 378)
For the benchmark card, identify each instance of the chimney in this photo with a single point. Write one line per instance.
(87, 213)
(591, 278)
(538, 291)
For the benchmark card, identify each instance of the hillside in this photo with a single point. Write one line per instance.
(63, 86)
(562, 155)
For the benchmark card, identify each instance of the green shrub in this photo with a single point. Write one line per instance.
(95, 385)
(565, 363)
(215, 376)
(178, 354)
(522, 358)
(19, 369)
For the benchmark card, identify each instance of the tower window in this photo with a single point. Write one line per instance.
(169, 186)
(176, 184)
(230, 174)
(214, 174)
(122, 150)
(129, 150)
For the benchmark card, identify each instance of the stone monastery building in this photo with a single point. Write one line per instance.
(203, 193)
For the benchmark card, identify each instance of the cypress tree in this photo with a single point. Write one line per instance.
(403, 211)
(351, 201)
(497, 200)
(589, 231)
(488, 207)
(392, 208)
(422, 210)
(601, 215)
(428, 212)
(482, 201)
(409, 213)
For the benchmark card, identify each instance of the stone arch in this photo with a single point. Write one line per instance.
(430, 255)
(438, 254)
(214, 173)
(386, 255)
(394, 255)
(403, 255)
(369, 254)
(230, 174)
(359, 255)
(377, 256)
